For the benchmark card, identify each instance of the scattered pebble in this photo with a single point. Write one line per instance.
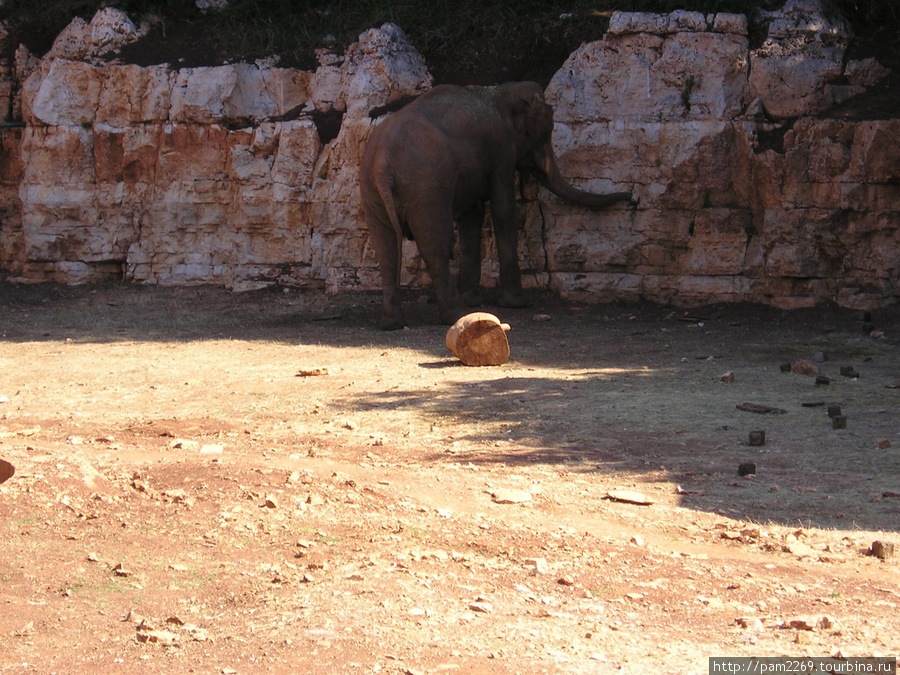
(508, 496)
(120, 571)
(801, 550)
(750, 623)
(629, 497)
(809, 623)
(748, 468)
(537, 565)
(804, 368)
(134, 617)
(760, 409)
(162, 637)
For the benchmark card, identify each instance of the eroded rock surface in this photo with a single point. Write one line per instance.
(200, 174)
(803, 52)
(246, 174)
(732, 206)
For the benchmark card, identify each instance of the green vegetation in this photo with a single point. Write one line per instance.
(465, 40)
(687, 91)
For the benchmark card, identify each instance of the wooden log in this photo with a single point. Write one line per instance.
(6, 470)
(479, 339)
(882, 549)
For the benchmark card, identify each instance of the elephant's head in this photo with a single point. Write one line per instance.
(532, 119)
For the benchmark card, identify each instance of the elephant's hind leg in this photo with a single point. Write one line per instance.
(506, 234)
(386, 243)
(470, 256)
(435, 242)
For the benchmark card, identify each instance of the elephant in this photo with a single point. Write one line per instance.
(436, 162)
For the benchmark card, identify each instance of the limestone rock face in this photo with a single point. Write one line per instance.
(6, 75)
(109, 30)
(237, 93)
(649, 108)
(865, 72)
(381, 67)
(656, 67)
(246, 174)
(196, 175)
(663, 105)
(803, 52)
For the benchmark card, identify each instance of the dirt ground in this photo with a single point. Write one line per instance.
(257, 483)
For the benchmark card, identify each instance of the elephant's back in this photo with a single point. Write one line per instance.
(458, 110)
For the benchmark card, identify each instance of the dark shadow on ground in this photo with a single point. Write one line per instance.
(608, 391)
(808, 474)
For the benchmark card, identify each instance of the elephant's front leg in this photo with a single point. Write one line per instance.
(506, 238)
(469, 284)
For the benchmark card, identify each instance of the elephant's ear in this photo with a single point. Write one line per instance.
(533, 121)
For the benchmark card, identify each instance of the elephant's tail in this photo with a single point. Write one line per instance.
(384, 185)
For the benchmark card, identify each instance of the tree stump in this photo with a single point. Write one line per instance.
(479, 339)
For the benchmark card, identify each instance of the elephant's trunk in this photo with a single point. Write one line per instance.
(550, 177)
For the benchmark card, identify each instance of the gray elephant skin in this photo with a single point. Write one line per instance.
(436, 162)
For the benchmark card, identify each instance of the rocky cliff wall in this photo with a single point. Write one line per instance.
(203, 175)
(734, 206)
(234, 175)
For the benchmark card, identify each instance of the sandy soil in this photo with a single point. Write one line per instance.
(257, 483)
